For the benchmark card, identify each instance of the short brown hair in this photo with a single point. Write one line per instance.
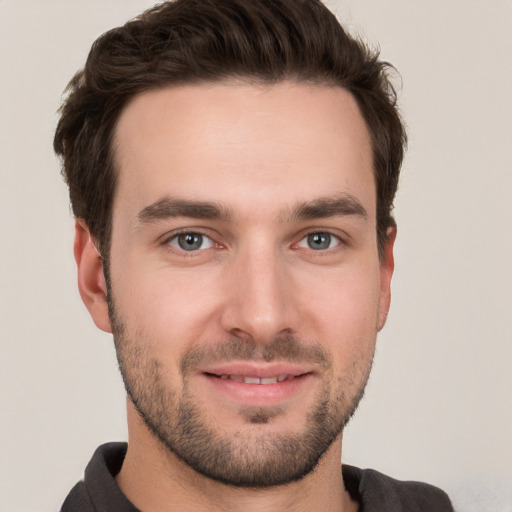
(194, 41)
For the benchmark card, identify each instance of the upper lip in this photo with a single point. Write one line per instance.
(261, 370)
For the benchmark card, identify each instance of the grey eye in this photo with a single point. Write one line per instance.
(191, 242)
(319, 241)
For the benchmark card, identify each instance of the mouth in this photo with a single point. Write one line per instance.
(250, 379)
(259, 384)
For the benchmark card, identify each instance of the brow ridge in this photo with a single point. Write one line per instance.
(340, 205)
(168, 207)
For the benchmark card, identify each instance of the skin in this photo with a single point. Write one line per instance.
(259, 152)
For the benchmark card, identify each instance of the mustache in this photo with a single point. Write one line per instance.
(282, 348)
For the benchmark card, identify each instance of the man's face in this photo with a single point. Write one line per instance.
(246, 288)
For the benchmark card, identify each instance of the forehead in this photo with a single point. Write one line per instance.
(245, 146)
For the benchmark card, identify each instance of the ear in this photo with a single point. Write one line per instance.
(91, 280)
(387, 266)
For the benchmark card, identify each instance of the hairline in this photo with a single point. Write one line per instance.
(235, 80)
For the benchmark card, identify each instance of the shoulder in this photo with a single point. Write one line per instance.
(377, 491)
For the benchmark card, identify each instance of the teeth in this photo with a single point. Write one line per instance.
(252, 380)
(257, 380)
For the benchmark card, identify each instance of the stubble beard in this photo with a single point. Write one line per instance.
(245, 458)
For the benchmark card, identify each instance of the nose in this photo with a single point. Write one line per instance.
(260, 301)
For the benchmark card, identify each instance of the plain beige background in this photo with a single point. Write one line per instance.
(438, 407)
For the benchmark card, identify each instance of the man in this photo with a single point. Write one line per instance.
(232, 166)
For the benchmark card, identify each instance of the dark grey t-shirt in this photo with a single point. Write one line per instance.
(98, 492)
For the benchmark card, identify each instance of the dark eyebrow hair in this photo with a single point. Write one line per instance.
(330, 207)
(169, 207)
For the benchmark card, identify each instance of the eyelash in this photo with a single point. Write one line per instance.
(331, 236)
(175, 237)
(184, 253)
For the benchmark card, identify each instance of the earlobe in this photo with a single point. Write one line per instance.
(91, 279)
(387, 266)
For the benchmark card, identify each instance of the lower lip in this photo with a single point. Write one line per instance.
(261, 394)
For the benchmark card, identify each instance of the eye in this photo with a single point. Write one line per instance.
(191, 242)
(319, 241)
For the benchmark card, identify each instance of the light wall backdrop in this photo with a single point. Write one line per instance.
(439, 403)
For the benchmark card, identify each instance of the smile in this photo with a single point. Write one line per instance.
(259, 385)
(256, 380)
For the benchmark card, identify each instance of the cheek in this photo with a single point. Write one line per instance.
(170, 307)
(345, 309)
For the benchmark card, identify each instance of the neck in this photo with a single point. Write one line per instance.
(155, 480)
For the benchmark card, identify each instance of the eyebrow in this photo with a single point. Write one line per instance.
(336, 206)
(169, 207)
